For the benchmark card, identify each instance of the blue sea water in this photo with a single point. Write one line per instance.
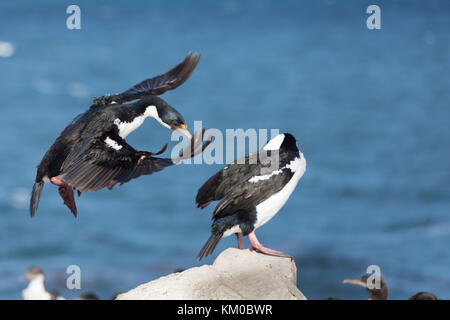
(370, 110)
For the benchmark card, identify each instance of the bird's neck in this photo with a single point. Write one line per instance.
(152, 112)
(37, 283)
(136, 119)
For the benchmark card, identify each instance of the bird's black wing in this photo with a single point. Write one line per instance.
(234, 187)
(220, 184)
(247, 195)
(98, 164)
(156, 85)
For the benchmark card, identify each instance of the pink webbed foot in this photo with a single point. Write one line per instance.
(257, 246)
(66, 193)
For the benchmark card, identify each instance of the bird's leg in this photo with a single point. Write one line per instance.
(160, 151)
(260, 248)
(66, 193)
(240, 240)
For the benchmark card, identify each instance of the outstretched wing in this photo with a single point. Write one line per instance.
(106, 162)
(168, 81)
(156, 85)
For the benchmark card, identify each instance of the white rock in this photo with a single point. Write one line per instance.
(235, 274)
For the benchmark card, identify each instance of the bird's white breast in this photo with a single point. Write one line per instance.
(267, 209)
(125, 128)
(36, 290)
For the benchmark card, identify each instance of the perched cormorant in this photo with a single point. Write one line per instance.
(382, 293)
(36, 288)
(91, 153)
(251, 192)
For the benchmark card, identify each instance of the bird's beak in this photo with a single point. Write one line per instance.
(357, 282)
(24, 277)
(183, 130)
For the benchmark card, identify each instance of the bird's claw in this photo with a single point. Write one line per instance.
(194, 148)
(163, 149)
(270, 252)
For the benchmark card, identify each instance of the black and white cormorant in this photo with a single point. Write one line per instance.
(382, 292)
(251, 192)
(91, 153)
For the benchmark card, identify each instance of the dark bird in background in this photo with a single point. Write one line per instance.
(251, 191)
(382, 292)
(423, 296)
(91, 153)
(88, 296)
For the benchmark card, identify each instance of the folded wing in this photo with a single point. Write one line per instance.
(223, 182)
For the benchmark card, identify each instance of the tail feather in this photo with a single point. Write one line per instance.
(35, 196)
(210, 245)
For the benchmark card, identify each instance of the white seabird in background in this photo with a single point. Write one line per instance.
(36, 288)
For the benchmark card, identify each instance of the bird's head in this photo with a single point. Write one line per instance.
(33, 273)
(284, 141)
(166, 115)
(423, 296)
(380, 293)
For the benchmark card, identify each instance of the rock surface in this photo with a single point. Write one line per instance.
(235, 274)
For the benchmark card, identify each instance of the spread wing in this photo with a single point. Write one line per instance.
(106, 162)
(156, 85)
